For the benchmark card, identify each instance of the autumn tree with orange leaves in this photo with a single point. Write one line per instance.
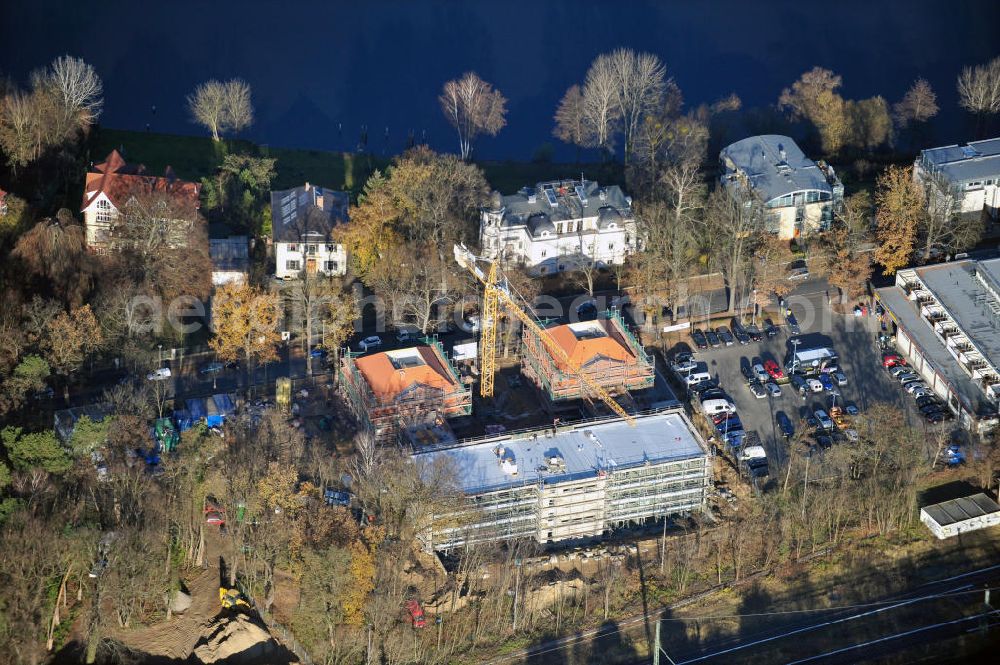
(899, 205)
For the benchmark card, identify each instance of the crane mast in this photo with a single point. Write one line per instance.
(495, 291)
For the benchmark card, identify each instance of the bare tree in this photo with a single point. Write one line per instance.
(733, 223)
(79, 89)
(572, 124)
(221, 106)
(18, 135)
(600, 103)
(919, 104)
(641, 81)
(979, 88)
(473, 108)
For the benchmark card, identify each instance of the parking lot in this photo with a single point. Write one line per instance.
(853, 338)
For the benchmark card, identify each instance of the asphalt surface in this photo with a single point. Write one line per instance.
(853, 338)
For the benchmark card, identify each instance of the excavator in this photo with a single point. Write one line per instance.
(231, 598)
(496, 290)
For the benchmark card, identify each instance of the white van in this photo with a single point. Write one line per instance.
(694, 378)
(712, 407)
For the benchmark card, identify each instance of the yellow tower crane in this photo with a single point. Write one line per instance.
(496, 290)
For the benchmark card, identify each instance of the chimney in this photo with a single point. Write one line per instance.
(318, 197)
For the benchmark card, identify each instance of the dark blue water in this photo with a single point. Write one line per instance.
(322, 70)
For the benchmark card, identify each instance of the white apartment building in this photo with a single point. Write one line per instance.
(558, 226)
(968, 175)
(945, 318)
(303, 220)
(799, 195)
(576, 482)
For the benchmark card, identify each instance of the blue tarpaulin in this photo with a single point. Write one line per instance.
(212, 416)
(224, 403)
(183, 419)
(197, 409)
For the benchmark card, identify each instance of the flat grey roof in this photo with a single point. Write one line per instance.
(585, 449)
(569, 205)
(907, 317)
(961, 509)
(759, 158)
(229, 253)
(976, 159)
(956, 288)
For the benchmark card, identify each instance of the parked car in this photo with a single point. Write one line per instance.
(921, 392)
(746, 369)
(713, 338)
(851, 410)
(773, 389)
(798, 272)
(416, 614)
(931, 408)
(840, 378)
(336, 498)
(892, 360)
(740, 332)
(407, 335)
(724, 335)
(823, 419)
(784, 424)
(770, 329)
(681, 357)
(793, 323)
(587, 311)
(936, 417)
(757, 390)
(698, 337)
(914, 386)
(318, 352)
(907, 377)
(799, 384)
(774, 370)
(928, 399)
(824, 441)
(369, 343)
(760, 373)
(754, 332)
(211, 368)
(826, 381)
(851, 435)
(815, 385)
(899, 370)
(160, 374)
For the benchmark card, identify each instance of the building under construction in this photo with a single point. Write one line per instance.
(604, 350)
(573, 482)
(414, 389)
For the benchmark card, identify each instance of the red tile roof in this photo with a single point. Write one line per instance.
(118, 179)
(388, 380)
(586, 342)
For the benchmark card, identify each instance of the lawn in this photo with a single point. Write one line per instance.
(197, 157)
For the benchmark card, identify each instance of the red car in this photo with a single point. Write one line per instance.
(773, 370)
(892, 360)
(416, 614)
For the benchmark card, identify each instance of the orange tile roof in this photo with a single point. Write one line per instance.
(117, 179)
(388, 382)
(589, 349)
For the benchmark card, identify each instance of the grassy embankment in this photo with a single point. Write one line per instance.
(196, 157)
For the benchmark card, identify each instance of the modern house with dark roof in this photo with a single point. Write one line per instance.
(945, 318)
(230, 260)
(110, 186)
(799, 195)
(558, 226)
(303, 220)
(967, 176)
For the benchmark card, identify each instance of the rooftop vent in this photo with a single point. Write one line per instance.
(969, 152)
(603, 194)
(532, 198)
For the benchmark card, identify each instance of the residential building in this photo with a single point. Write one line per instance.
(392, 392)
(604, 349)
(574, 482)
(561, 225)
(966, 176)
(230, 260)
(961, 515)
(303, 220)
(945, 319)
(113, 183)
(799, 195)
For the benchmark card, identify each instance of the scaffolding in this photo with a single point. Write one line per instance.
(617, 377)
(387, 418)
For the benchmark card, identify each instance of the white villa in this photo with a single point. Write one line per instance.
(798, 194)
(303, 220)
(557, 226)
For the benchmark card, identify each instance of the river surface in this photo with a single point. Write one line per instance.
(321, 71)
